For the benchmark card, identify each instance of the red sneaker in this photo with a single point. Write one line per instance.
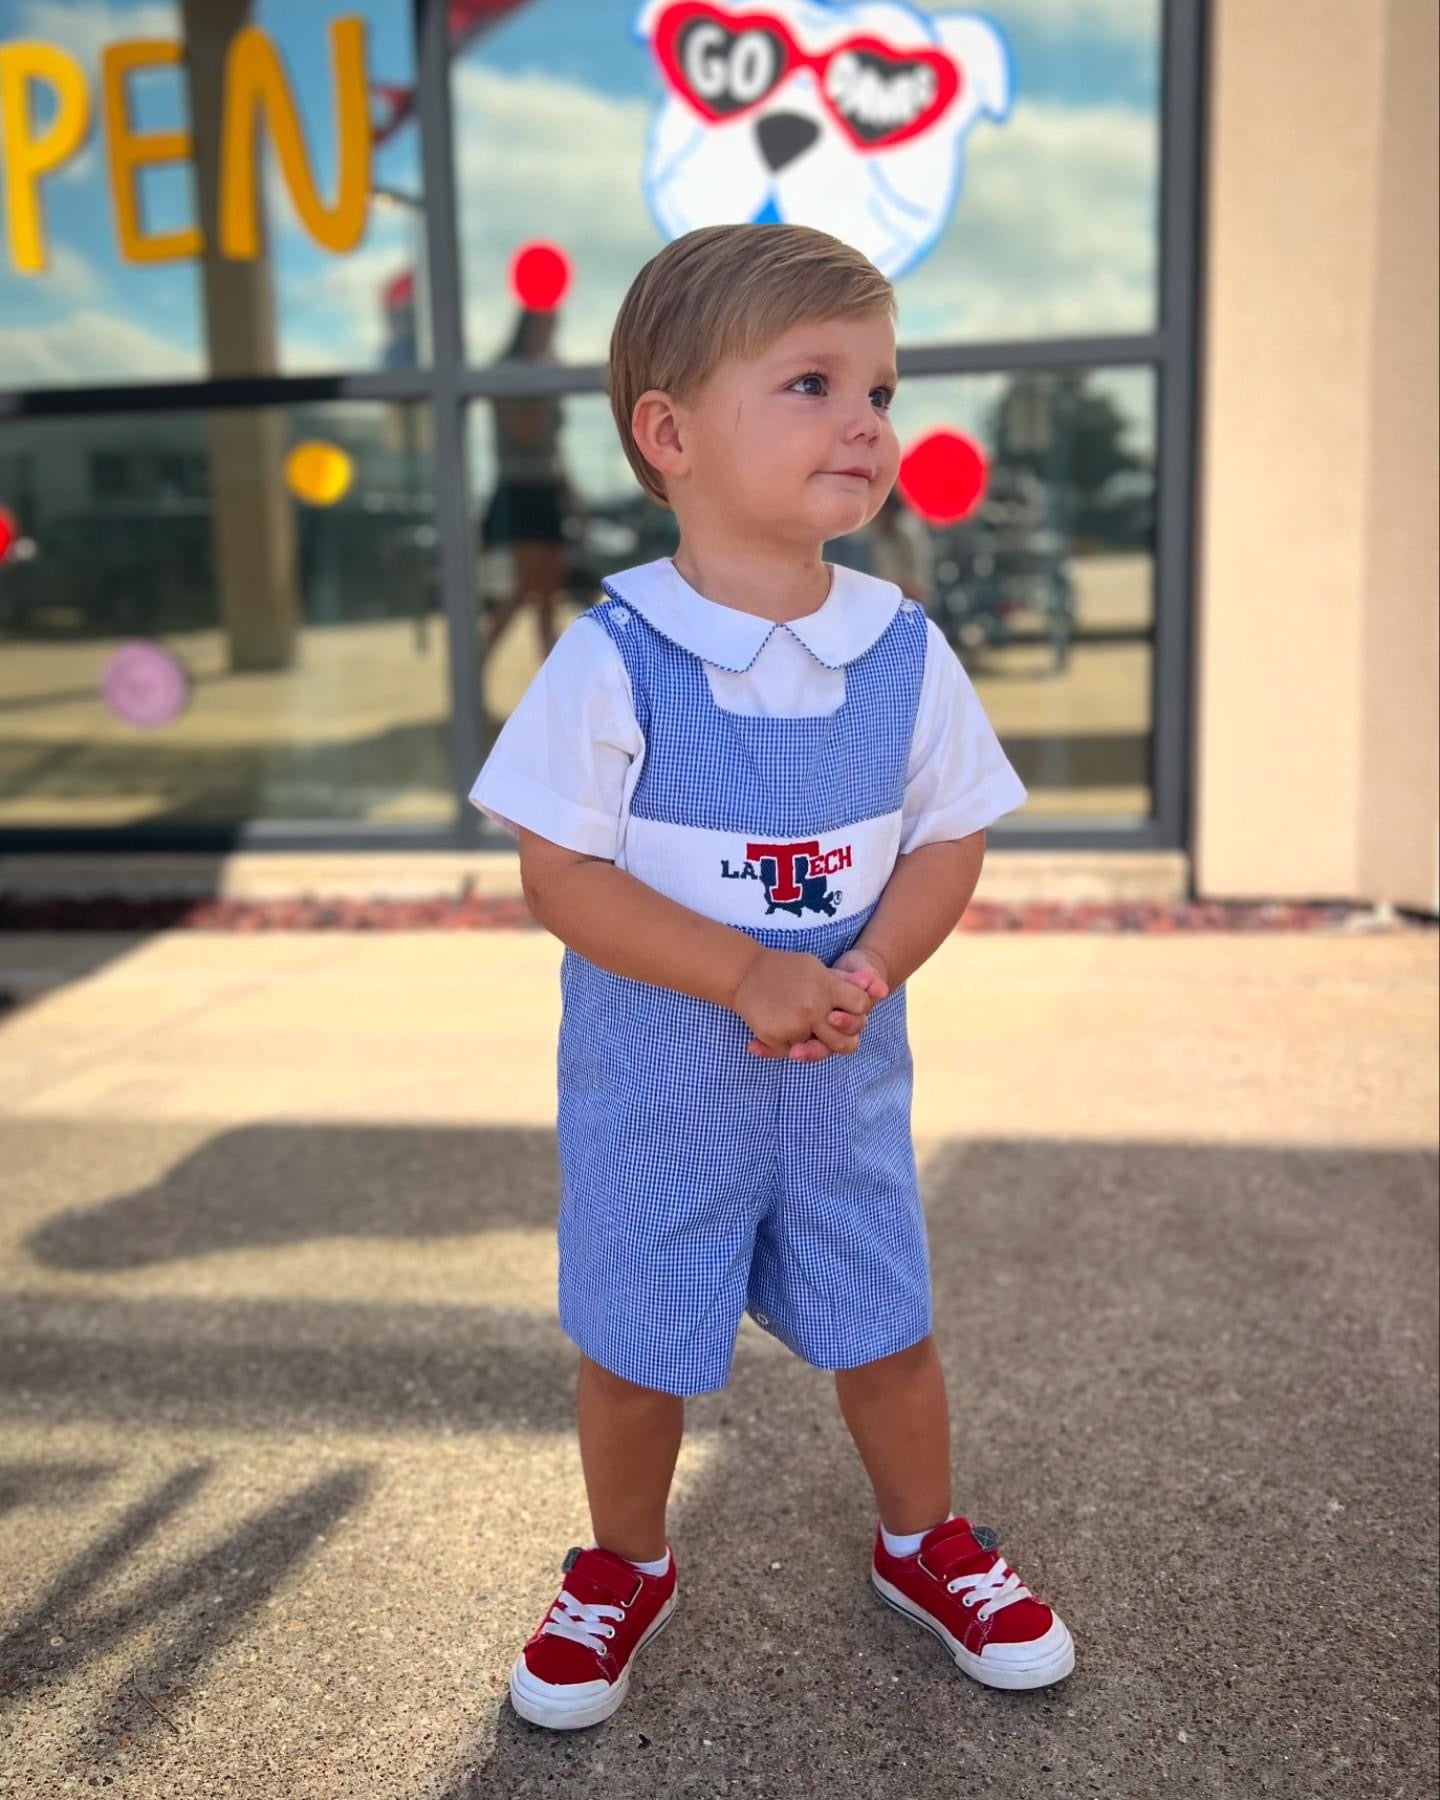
(575, 1670)
(958, 1587)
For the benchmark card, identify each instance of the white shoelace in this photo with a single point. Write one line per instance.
(994, 1587)
(582, 1620)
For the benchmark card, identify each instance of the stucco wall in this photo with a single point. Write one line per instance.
(1316, 765)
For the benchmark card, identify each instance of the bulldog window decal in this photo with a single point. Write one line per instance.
(851, 117)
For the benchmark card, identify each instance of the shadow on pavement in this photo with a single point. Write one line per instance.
(287, 1184)
(237, 1574)
(1192, 1387)
(48, 1484)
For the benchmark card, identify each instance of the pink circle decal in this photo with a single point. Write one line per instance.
(539, 276)
(943, 476)
(145, 684)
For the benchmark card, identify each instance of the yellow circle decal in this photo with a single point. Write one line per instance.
(318, 472)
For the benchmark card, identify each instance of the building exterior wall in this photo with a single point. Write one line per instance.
(1316, 593)
(1398, 850)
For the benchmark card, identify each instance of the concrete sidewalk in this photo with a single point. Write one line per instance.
(287, 1463)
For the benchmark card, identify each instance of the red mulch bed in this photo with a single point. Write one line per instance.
(116, 913)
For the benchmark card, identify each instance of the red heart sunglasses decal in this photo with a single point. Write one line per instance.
(726, 64)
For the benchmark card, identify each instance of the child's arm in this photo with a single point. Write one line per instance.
(619, 923)
(924, 900)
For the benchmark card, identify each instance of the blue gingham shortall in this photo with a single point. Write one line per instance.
(700, 1181)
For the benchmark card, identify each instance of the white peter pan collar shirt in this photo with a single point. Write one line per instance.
(566, 761)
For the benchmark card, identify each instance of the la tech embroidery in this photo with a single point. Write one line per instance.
(795, 876)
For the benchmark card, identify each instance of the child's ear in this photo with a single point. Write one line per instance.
(655, 427)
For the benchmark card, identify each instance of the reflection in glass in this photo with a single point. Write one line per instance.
(900, 549)
(1025, 208)
(609, 524)
(1044, 587)
(282, 561)
(135, 285)
(533, 509)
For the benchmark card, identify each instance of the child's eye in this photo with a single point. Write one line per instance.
(883, 403)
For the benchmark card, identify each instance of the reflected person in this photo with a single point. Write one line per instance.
(901, 550)
(533, 497)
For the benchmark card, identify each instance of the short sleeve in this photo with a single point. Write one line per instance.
(560, 763)
(959, 779)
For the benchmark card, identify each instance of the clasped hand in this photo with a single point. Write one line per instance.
(803, 1010)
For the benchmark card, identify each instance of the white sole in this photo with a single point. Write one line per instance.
(1054, 1663)
(535, 1701)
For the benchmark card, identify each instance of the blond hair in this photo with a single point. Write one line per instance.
(727, 290)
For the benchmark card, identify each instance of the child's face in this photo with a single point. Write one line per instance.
(766, 441)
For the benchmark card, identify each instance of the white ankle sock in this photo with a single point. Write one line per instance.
(649, 1568)
(653, 1568)
(907, 1543)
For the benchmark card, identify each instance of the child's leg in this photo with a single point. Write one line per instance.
(899, 1419)
(629, 1440)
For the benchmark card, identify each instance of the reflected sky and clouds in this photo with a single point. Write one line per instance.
(95, 317)
(1054, 232)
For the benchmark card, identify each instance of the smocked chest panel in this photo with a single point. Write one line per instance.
(773, 825)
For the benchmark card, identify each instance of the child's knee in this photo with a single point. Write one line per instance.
(618, 1387)
(899, 1364)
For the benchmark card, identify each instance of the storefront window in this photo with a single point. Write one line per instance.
(1044, 586)
(221, 618)
(140, 241)
(234, 614)
(1001, 166)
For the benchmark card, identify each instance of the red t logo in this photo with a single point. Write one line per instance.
(786, 887)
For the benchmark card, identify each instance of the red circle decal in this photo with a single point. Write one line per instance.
(943, 476)
(539, 276)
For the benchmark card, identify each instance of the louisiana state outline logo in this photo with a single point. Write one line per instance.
(795, 877)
